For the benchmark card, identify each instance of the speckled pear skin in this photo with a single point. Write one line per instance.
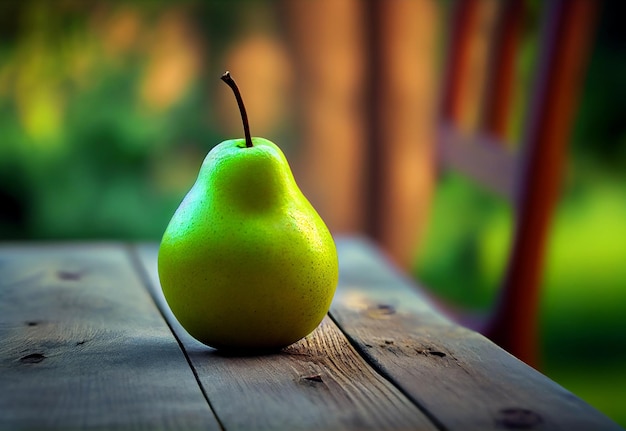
(246, 262)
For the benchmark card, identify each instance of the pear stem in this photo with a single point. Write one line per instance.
(242, 109)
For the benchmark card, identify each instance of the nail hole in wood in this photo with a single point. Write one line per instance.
(518, 418)
(69, 275)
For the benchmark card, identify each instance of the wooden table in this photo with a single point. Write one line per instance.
(87, 342)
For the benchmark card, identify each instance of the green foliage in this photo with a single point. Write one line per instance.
(79, 149)
(452, 265)
(600, 129)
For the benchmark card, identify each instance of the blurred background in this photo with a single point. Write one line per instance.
(107, 110)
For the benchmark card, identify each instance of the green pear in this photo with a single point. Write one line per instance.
(246, 262)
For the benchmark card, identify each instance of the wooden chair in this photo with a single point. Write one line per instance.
(372, 167)
(529, 178)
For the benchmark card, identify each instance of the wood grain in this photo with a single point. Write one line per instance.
(459, 377)
(84, 346)
(318, 383)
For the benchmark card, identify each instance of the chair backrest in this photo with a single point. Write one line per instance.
(529, 177)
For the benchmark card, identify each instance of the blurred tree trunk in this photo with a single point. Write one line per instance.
(326, 42)
(367, 94)
(403, 107)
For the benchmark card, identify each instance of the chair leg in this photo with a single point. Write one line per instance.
(565, 42)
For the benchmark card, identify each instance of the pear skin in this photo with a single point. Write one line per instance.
(246, 262)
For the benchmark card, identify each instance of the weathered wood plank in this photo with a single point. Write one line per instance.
(84, 346)
(456, 375)
(318, 383)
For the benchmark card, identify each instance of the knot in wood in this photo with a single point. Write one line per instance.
(381, 311)
(33, 358)
(316, 378)
(69, 275)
